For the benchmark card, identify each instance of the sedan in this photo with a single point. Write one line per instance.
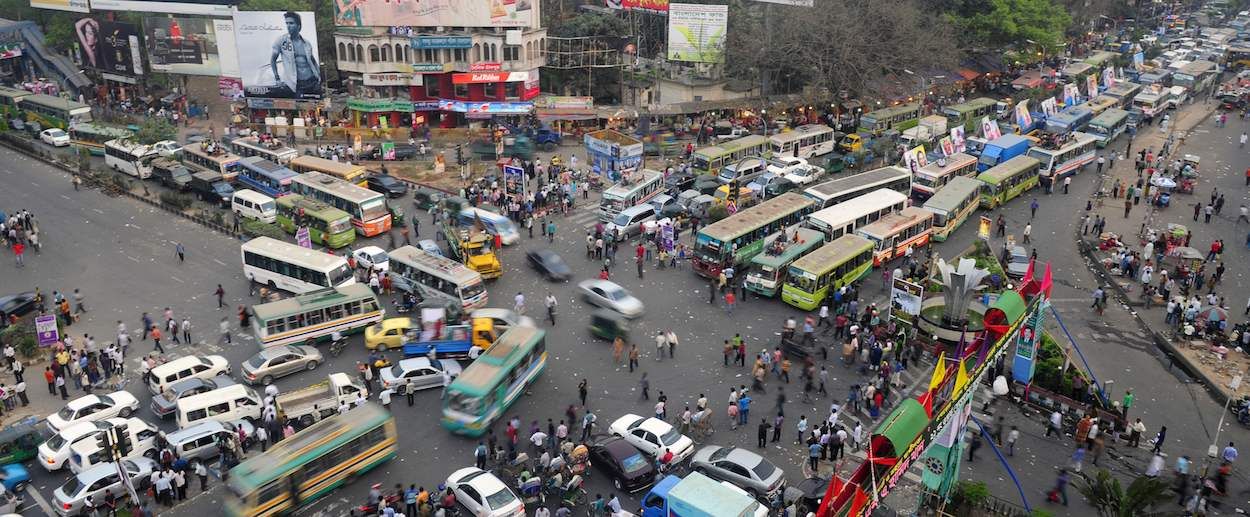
(706, 184)
(14, 477)
(549, 264)
(92, 408)
(372, 257)
(652, 436)
(54, 137)
(387, 184)
(279, 361)
(69, 498)
(503, 318)
(778, 187)
(762, 181)
(165, 404)
(629, 469)
(420, 372)
(679, 181)
(18, 305)
(484, 494)
(608, 295)
(741, 467)
(389, 333)
(54, 452)
(1017, 262)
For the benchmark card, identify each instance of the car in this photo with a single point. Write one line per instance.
(372, 257)
(279, 361)
(679, 181)
(14, 477)
(607, 294)
(706, 184)
(387, 184)
(389, 333)
(54, 452)
(171, 174)
(19, 305)
(758, 476)
(69, 498)
(794, 169)
(629, 469)
(652, 436)
(664, 203)
(166, 403)
(420, 371)
(1017, 262)
(484, 494)
(778, 187)
(762, 181)
(92, 408)
(54, 137)
(166, 148)
(429, 246)
(503, 318)
(549, 264)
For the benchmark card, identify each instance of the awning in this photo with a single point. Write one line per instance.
(552, 114)
(967, 74)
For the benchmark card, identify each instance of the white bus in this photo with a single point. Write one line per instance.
(833, 192)
(129, 157)
(1076, 151)
(249, 146)
(430, 275)
(282, 265)
(634, 189)
(932, 177)
(804, 141)
(843, 218)
(368, 209)
(1153, 103)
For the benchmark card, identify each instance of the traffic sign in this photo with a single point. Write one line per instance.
(45, 326)
(302, 238)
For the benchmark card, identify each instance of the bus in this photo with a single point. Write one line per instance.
(709, 160)
(734, 240)
(282, 265)
(1108, 126)
(249, 146)
(952, 205)
(1152, 102)
(266, 177)
(896, 233)
(90, 137)
(312, 463)
(1101, 103)
(768, 269)
(490, 384)
(836, 264)
(1007, 180)
(843, 218)
(900, 117)
(1075, 73)
(327, 226)
(437, 277)
(1237, 58)
(315, 315)
(836, 191)
(1100, 59)
(634, 189)
(354, 174)
(968, 114)
(804, 141)
(1070, 119)
(368, 209)
(51, 111)
(1075, 152)
(10, 100)
(1123, 92)
(1196, 76)
(935, 175)
(130, 157)
(214, 158)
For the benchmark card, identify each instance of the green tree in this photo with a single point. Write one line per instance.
(1106, 495)
(324, 11)
(1014, 23)
(155, 129)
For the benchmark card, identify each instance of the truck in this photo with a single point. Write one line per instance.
(321, 400)
(1001, 149)
(473, 248)
(697, 495)
(452, 341)
(926, 132)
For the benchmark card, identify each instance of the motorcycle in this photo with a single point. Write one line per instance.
(337, 346)
(1241, 408)
(371, 508)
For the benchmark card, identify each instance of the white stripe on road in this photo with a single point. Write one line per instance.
(179, 280)
(39, 500)
(98, 211)
(220, 262)
(35, 184)
(65, 197)
(132, 258)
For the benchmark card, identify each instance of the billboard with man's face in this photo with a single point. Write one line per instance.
(182, 45)
(437, 13)
(278, 54)
(109, 46)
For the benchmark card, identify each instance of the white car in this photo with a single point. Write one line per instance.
(92, 408)
(167, 148)
(484, 494)
(54, 137)
(608, 295)
(372, 257)
(419, 370)
(797, 170)
(652, 436)
(55, 451)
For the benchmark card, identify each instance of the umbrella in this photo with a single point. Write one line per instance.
(1164, 182)
(1213, 314)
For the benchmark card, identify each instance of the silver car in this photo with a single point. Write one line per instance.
(69, 498)
(165, 404)
(611, 296)
(1017, 262)
(744, 468)
(420, 372)
(503, 318)
(271, 363)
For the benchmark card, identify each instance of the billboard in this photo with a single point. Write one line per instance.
(696, 32)
(182, 45)
(78, 6)
(651, 6)
(278, 54)
(437, 13)
(193, 7)
(109, 46)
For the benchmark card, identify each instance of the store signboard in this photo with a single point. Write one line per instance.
(485, 108)
(696, 32)
(489, 77)
(441, 42)
(485, 66)
(391, 79)
(78, 6)
(223, 8)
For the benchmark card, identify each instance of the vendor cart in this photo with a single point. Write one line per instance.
(1190, 166)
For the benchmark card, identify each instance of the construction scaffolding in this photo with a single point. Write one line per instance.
(585, 52)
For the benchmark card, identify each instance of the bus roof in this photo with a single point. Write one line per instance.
(311, 300)
(94, 128)
(221, 156)
(292, 452)
(883, 175)
(1009, 140)
(952, 194)
(807, 239)
(1122, 88)
(972, 105)
(1109, 118)
(1076, 139)
(268, 167)
(732, 146)
(1101, 101)
(495, 363)
(770, 210)
(622, 190)
(1076, 69)
(319, 163)
(855, 207)
(313, 207)
(996, 174)
(891, 111)
(799, 132)
(306, 257)
(1100, 57)
(953, 161)
(450, 270)
(13, 93)
(71, 107)
(833, 253)
(891, 222)
(343, 189)
(1198, 67)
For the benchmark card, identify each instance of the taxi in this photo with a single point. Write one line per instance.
(388, 334)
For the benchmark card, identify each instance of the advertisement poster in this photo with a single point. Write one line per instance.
(989, 128)
(230, 88)
(1049, 106)
(1108, 78)
(650, 6)
(278, 54)
(1023, 118)
(182, 45)
(227, 53)
(915, 158)
(983, 229)
(905, 297)
(1091, 85)
(1070, 94)
(45, 327)
(436, 13)
(957, 138)
(696, 32)
(948, 147)
(109, 46)
(78, 6)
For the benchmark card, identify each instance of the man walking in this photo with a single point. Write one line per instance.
(551, 308)
(221, 296)
(180, 251)
(1033, 208)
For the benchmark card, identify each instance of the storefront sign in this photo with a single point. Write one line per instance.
(117, 78)
(390, 79)
(431, 68)
(379, 105)
(433, 42)
(486, 108)
(531, 86)
(425, 106)
(489, 77)
(556, 102)
(271, 104)
(9, 50)
(651, 6)
(485, 67)
(45, 327)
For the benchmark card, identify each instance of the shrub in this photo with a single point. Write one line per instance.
(717, 212)
(22, 336)
(176, 200)
(256, 228)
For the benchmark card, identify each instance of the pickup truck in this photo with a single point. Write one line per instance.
(737, 132)
(454, 341)
(699, 496)
(320, 400)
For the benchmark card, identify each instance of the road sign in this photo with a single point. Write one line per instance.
(45, 326)
(302, 238)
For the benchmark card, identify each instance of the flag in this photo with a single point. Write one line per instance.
(961, 377)
(939, 372)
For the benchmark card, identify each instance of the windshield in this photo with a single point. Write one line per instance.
(380, 257)
(267, 206)
(72, 486)
(256, 361)
(670, 437)
(372, 209)
(700, 162)
(55, 133)
(65, 413)
(504, 226)
(339, 226)
(500, 499)
(922, 179)
(56, 442)
(621, 220)
(633, 463)
(340, 274)
(397, 372)
(615, 294)
(468, 292)
(464, 403)
(764, 469)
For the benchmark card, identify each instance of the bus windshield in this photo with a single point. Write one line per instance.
(340, 274)
(464, 403)
(373, 209)
(701, 162)
(471, 290)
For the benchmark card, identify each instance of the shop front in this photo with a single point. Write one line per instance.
(278, 116)
(610, 152)
(381, 113)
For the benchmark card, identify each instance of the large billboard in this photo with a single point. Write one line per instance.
(437, 13)
(651, 6)
(278, 54)
(78, 6)
(696, 32)
(182, 45)
(109, 46)
(194, 7)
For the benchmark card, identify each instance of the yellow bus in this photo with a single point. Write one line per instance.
(709, 160)
(952, 205)
(212, 157)
(896, 233)
(1007, 180)
(354, 174)
(1101, 103)
(841, 262)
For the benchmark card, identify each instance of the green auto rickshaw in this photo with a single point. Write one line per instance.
(608, 325)
(426, 198)
(397, 215)
(20, 442)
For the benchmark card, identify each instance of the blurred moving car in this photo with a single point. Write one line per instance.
(609, 295)
(652, 436)
(549, 264)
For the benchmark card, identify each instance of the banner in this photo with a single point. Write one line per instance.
(957, 138)
(948, 147)
(109, 46)
(983, 229)
(1070, 94)
(696, 32)
(1108, 78)
(489, 77)
(230, 88)
(1091, 85)
(989, 129)
(78, 6)
(182, 45)
(440, 42)
(1049, 106)
(184, 7)
(906, 296)
(486, 108)
(436, 13)
(227, 52)
(800, 3)
(1023, 118)
(651, 6)
(278, 54)
(45, 328)
(915, 158)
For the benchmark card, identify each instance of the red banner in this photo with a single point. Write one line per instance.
(655, 6)
(489, 77)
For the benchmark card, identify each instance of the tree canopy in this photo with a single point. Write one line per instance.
(1005, 23)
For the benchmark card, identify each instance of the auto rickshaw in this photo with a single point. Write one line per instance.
(397, 215)
(1190, 165)
(426, 198)
(20, 442)
(608, 325)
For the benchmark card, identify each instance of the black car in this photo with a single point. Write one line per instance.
(778, 187)
(679, 181)
(628, 467)
(549, 264)
(209, 187)
(402, 152)
(171, 174)
(706, 184)
(19, 305)
(388, 185)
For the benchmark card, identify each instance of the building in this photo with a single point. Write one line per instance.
(24, 59)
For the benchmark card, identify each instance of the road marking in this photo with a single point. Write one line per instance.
(65, 197)
(35, 184)
(98, 211)
(176, 279)
(39, 500)
(220, 262)
(132, 258)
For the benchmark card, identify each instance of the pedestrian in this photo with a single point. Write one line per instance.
(201, 471)
(224, 328)
(1033, 209)
(1028, 229)
(221, 295)
(633, 356)
(1067, 182)
(156, 339)
(1011, 440)
(1060, 492)
(1056, 425)
(1207, 212)
(1160, 439)
(671, 337)
(972, 447)
(644, 386)
(180, 251)
(186, 330)
(729, 302)
(1128, 205)
(762, 433)
(551, 308)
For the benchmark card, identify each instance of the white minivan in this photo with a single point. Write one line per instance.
(163, 376)
(87, 453)
(222, 404)
(254, 205)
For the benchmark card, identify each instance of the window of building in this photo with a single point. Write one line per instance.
(511, 53)
(459, 55)
(374, 56)
(431, 87)
(431, 56)
(529, 50)
(462, 91)
(351, 52)
(477, 52)
(511, 90)
(360, 52)
(494, 53)
(342, 52)
(399, 53)
(386, 52)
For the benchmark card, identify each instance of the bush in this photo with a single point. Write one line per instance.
(716, 213)
(176, 200)
(256, 228)
(120, 182)
(22, 337)
(218, 218)
(970, 494)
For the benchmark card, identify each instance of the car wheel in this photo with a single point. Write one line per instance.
(125, 412)
(268, 379)
(21, 486)
(617, 483)
(312, 365)
(306, 420)
(381, 347)
(150, 454)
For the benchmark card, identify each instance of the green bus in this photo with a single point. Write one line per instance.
(90, 137)
(1100, 59)
(768, 269)
(1108, 126)
(952, 205)
(315, 315)
(490, 384)
(51, 111)
(735, 240)
(10, 99)
(903, 116)
(327, 225)
(968, 114)
(312, 463)
(1007, 180)
(709, 160)
(841, 262)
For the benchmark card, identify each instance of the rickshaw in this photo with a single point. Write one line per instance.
(608, 325)
(1190, 165)
(20, 442)
(397, 215)
(579, 462)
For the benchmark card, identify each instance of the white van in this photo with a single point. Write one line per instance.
(186, 367)
(254, 205)
(743, 170)
(87, 453)
(494, 224)
(222, 404)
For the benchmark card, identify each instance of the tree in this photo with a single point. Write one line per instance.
(1002, 23)
(1105, 494)
(155, 129)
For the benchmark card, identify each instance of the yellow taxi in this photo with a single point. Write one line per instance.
(389, 333)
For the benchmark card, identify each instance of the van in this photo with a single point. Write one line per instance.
(224, 404)
(254, 205)
(87, 453)
(209, 187)
(199, 442)
(192, 366)
(629, 221)
(493, 223)
(743, 170)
